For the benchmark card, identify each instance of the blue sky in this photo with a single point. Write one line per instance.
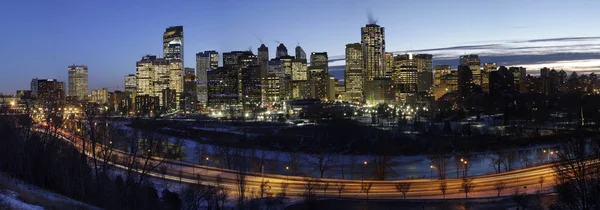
(41, 38)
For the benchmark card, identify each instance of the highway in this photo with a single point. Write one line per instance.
(525, 180)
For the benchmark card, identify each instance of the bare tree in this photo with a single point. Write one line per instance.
(201, 153)
(226, 154)
(322, 162)
(340, 188)
(294, 159)
(264, 188)
(180, 175)
(510, 161)
(310, 187)
(467, 186)
(577, 180)
(499, 187)
(352, 165)
(524, 158)
(284, 188)
(325, 186)
(498, 160)
(440, 164)
(541, 180)
(193, 196)
(366, 188)
(443, 187)
(241, 189)
(403, 187)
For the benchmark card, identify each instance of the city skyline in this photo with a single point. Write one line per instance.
(406, 37)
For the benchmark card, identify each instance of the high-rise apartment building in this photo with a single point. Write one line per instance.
(353, 75)
(78, 81)
(474, 63)
(281, 51)
(205, 61)
(373, 43)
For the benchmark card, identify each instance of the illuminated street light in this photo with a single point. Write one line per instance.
(431, 172)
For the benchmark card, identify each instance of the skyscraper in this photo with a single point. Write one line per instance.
(465, 80)
(189, 98)
(263, 60)
(319, 59)
(474, 63)
(353, 75)
(300, 54)
(488, 68)
(299, 70)
(78, 81)
(373, 43)
(173, 43)
(389, 64)
(205, 61)
(153, 76)
(281, 51)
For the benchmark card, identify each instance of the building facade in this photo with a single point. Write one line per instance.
(78, 81)
(474, 63)
(100, 96)
(353, 74)
(205, 61)
(373, 46)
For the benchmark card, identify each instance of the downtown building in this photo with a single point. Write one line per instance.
(377, 88)
(50, 93)
(205, 61)
(173, 53)
(154, 76)
(473, 62)
(100, 96)
(78, 82)
(353, 74)
(446, 81)
(189, 98)
(318, 76)
(488, 68)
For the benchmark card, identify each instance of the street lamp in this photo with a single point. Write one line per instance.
(431, 172)
(464, 164)
(363, 171)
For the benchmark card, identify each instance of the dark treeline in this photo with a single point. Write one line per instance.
(40, 158)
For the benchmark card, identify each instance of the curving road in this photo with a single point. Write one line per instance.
(525, 180)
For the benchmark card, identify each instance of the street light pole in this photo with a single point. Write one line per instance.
(431, 172)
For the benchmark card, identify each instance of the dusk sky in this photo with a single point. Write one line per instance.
(43, 37)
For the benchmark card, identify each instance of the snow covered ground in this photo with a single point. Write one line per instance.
(20, 195)
(8, 199)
